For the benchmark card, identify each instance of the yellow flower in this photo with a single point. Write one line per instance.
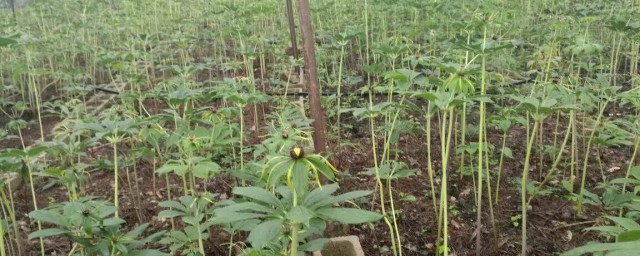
(296, 152)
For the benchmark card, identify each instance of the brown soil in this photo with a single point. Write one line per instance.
(552, 221)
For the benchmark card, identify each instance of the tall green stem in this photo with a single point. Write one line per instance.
(523, 185)
(115, 172)
(630, 166)
(481, 138)
(2, 247)
(558, 157)
(430, 165)
(35, 204)
(294, 227)
(445, 150)
(585, 161)
(339, 92)
(378, 179)
(504, 144)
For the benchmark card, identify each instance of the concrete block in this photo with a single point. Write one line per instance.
(342, 246)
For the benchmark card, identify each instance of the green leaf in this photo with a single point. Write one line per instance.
(230, 217)
(192, 232)
(635, 172)
(608, 230)
(628, 236)
(36, 151)
(429, 96)
(246, 206)
(258, 194)
(314, 245)
(484, 99)
(350, 196)
(47, 233)
(147, 252)
(173, 166)
(507, 152)
(348, 215)
(626, 223)
(320, 194)
(204, 169)
(7, 41)
(137, 231)
(191, 220)
(172, 204)
(49, 217)
(170, 214)
(265, 233)
(300, 177)
(322, 165)
(624, 181)
(300, 214)
(113, 221)
(630, 248)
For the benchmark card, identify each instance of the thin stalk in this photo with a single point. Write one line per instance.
(294, 227)
(230, 250)
(379, 183)
(541, 153)
(166, 177)
(463, 136)
(153, 177)
(35, 205)
(2, 247)
(242, 142)
(523, 186)
(504, 143)
(12, 215)
(488, 179)
(555, 130)
(445, 150)
(558, 157)
(200, 241)
(339, 92)
(630, 166)
(481, 138)
(574, 154)
(585, 161)
(21, 138)
(393, 212)
(115, 172)
(430, 164)
(4, 204)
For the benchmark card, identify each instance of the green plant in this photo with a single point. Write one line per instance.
(285, 219)
(27, 166)
(94, 229)
(538, 109)
(445, 102)
(627, 239)
(607, 94)
(115, 130)
(195, 212)
(296, 211)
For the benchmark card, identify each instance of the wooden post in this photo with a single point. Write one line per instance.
(12, 4)
(292, 29)
(319, 123)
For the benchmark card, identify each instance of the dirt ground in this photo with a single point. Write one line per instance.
(553, 224)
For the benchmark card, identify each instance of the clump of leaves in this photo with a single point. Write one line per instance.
(195, 212)
(92, 227)
(271, 215)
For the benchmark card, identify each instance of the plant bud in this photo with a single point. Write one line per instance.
(296, 152)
